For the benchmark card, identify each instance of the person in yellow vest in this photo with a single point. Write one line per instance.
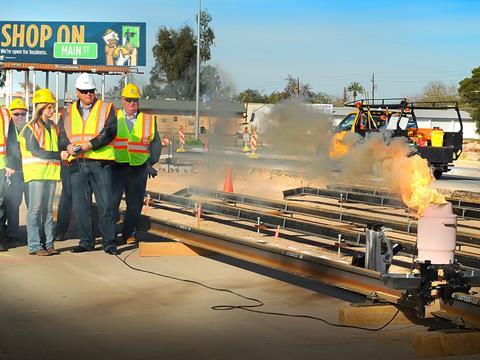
(41, 170)
(4, 123)
(137, 149)
(87, 130)
(16, 188)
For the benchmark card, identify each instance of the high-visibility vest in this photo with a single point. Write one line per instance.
(132, 146)
(4, 121)
(33, 167)
(79, 131)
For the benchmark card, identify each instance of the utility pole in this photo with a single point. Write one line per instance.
(298, 86)
(344, 94)
(373, 87)
(197, 119)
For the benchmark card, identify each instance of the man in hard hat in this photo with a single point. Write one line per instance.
(137, 149)
(87, 130)
(4, 121)
(16, 188)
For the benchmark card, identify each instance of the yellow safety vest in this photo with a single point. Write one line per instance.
(33, 167)
(132, 147)
(4, 121)
(79, 131)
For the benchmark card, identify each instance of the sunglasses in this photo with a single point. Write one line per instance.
(89, 91)
(19, 114)
(131, 100)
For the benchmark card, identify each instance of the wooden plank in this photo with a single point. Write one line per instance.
(373, 315)
(465, 343)
(170, 249)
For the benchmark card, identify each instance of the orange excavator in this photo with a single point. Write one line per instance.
(397, 116)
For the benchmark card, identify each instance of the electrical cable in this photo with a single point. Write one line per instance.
(250, 308)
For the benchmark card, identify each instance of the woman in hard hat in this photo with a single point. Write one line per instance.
(41, 170)
(16, 188)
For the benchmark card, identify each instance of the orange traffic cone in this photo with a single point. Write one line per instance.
(227, 185)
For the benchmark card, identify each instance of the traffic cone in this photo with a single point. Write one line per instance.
(228, 185)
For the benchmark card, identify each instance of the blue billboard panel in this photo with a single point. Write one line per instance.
(117, 44)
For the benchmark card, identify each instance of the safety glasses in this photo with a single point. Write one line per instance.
(135, 101)
(89, 91)
(18, 114)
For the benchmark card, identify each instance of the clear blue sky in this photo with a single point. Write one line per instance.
(326, 43)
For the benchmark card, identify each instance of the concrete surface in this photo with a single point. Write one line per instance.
(92, 306)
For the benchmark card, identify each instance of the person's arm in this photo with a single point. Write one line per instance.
(14, 159)
(63, 140)
(155, 147)
(108, 133)
(34, 147)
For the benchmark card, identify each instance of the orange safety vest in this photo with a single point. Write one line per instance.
(79, 131)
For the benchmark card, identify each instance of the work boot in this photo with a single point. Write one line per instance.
(41, 252)
(3, 246)
(52, 251)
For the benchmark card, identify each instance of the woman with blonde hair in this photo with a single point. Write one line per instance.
(41, 170)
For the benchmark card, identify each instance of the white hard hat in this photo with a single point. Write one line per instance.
(85, 82)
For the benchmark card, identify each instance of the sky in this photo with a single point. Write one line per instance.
(328, 44)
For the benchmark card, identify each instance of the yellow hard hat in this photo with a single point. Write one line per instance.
(131, 91)
(17, 104)
(42, 96)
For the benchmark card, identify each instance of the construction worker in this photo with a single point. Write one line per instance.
(4, 123)
(87, 130)
(137, 149)
(16, 188)
(41, 170)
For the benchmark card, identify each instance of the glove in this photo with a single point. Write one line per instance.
(151, 171)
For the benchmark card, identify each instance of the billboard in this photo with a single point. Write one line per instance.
(83, 43)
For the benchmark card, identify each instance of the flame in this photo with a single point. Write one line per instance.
(415, 187)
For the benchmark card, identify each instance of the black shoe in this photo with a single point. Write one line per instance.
(79, 249)
(3, 247)
(112, 251)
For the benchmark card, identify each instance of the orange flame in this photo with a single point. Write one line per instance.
(415, 187)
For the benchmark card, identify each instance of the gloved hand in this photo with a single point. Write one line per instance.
(151, 171)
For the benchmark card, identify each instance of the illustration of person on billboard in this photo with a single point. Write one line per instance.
(125, 54)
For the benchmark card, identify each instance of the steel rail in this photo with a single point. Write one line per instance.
(390, 287)
(380, 200)
(409, 227)
(350, 237)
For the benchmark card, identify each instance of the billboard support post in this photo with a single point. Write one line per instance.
(57, 83)
(27, 93)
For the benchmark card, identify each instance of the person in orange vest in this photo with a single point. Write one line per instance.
(16, 188)
(137, 149)
(4, 123)
(41, 170)
(87, 131)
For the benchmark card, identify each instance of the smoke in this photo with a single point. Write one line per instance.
(295, 129)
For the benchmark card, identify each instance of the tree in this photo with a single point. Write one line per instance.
(355, 88)
(175, 56)
(470, 95)
(252, 96)
(294, 88)
(438, 91)
(29, 84)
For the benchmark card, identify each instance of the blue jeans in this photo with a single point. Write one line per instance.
(87, 177)
(40, 200)
(16, 190)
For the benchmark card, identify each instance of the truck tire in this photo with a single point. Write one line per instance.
(437, 173)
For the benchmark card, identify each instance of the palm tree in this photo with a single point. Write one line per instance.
(355, 88)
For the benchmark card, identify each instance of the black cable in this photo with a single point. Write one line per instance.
(250, 307)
